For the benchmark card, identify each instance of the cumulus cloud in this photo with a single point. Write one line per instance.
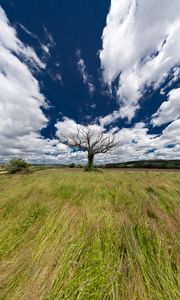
(69, 127)
(21, 101)
(141, 46)
(134, 143)
(169, 110)
(87, 79)
(109, 119)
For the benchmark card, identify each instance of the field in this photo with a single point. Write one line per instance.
(76, 235)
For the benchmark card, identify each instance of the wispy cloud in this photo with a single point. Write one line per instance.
(33, 35)
(87, 79)
(55, 76)
(49, 37)
(45, 48)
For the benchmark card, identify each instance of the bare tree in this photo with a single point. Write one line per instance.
(89, 140)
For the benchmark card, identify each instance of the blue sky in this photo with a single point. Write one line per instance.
(111, 65)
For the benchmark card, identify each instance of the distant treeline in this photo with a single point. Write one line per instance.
(151, 164)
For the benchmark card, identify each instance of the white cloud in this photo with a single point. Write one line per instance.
(45, 49)
(69, 127)
(135, 143)
(21, 101)
(31, 34)
(87, 79)
(169, 110)
(141, 45)
(170, 134)
(109, 119)
(50, 39)
(10, 41)
(55, 76)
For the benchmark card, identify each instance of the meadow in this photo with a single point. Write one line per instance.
(67, 234)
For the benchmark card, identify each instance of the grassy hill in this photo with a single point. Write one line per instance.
(152, 164)
(74, 235)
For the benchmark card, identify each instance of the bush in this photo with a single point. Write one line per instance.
(72, 165)
(16, 165)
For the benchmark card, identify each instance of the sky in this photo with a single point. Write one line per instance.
(109, 65)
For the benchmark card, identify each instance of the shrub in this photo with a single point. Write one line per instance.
(72, 165)
(16, 165)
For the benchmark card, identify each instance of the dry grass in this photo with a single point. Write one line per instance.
(74, 235)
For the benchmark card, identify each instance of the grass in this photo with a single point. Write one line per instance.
(75, 235)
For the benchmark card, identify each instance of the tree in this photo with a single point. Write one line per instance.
(87, 139)
(16, 165)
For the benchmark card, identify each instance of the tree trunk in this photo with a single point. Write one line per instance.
(90, 160)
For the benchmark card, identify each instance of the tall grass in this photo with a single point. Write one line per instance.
(74, 235)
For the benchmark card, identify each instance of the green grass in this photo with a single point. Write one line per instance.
(75, 235)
